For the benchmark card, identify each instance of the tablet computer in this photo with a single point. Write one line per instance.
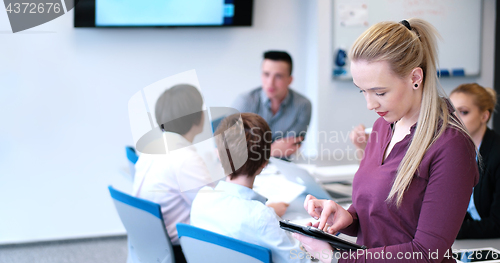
(316, 233)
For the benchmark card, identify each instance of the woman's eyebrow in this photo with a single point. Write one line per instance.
(374, 88)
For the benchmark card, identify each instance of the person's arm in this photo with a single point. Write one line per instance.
(279, 207)
(299, 127)
(284, 248)
(488, 227)
(294, 135)
(453, 173)
(285, 147)
(352, 229)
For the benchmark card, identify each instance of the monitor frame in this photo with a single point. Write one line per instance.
(85, 16)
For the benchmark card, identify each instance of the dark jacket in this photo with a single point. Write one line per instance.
(486, 192)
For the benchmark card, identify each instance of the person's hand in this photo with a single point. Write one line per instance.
(315, 247)
(358, 137)
(332, 217)
(285, 147)
(279, 208)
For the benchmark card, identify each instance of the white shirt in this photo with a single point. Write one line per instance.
(164, 179)
(237, 211)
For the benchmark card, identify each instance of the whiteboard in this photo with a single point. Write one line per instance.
(457, 21)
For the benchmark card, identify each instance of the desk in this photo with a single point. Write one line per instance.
(476, 243)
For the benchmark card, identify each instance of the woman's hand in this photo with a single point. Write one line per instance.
(332, 217)
(316, 248)
(358, 137)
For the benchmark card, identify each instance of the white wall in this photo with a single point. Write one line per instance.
(64, 95)
(340, 106)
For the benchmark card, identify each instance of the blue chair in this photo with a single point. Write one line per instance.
(132, 159)
(202, 246)
(131, 154)
(215, 123)
(148, 240)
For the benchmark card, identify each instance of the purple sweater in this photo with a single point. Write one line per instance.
(433, 207)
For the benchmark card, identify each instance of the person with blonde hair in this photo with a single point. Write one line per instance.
(475, 105)
(414, 182)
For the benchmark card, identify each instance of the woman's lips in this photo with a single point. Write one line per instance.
(382, 114)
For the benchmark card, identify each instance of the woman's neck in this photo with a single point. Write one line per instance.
(477, 137)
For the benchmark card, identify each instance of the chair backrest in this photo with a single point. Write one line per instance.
(132, 158)
(147, 236)
(202, 246)
(216, 122)
(131, 154)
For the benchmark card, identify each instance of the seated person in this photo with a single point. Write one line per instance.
(475, 105)
(287, 112)
(232, 208)
(163, 178)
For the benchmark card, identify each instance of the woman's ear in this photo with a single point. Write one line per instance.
(485, 116)
(417, 77)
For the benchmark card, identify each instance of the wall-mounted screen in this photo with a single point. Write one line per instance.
(163, 13)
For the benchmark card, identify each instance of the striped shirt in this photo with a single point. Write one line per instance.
(292, 118)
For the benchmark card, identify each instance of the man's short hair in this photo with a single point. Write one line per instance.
(179, 108)
(258, 139)
(279, 56)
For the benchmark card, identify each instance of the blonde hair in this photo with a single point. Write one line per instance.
(406, 49)
(484, 98)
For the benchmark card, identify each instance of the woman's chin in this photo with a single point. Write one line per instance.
(389, 119)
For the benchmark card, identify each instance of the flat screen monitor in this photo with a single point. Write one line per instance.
(163, 13)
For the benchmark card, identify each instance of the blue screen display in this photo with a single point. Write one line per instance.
(163, 13)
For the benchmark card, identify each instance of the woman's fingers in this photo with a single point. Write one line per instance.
(315, 207)
(306, 202)
(329, 209)
(358, 136)
(341, 220)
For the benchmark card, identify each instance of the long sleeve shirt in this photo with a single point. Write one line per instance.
(239, 212)
(424, 227)
(292, 118)
(171, 180)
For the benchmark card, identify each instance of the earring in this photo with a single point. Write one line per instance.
(416, 85)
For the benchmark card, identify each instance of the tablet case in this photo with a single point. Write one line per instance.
(309, 231)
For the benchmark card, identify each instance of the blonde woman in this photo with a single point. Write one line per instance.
(475, 105)
(412, 189)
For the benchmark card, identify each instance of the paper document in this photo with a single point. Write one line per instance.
(269, 170)
(276, 188)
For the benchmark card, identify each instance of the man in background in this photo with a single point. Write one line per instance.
(287, 112)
